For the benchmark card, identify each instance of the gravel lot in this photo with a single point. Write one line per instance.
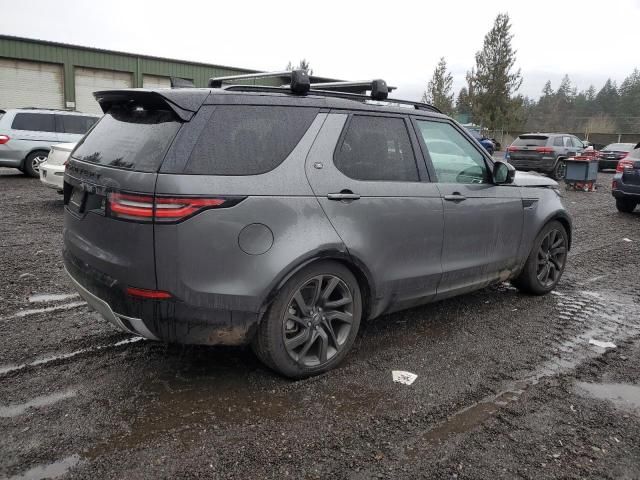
(508, 385)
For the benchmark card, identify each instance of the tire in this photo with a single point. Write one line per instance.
(294, 330)
(529, 280)
(625, 205)
(32, 162)
(559, 170)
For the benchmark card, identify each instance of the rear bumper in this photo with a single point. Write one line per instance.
(171, 321)
(538, 165)
(626, 194)
(52, 176)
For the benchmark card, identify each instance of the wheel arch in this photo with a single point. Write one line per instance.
(355, 266)
(33, 150)
(564, 219)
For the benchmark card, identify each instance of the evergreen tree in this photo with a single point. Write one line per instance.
(304, 64)
(438, 92)
(463, 102)
(495, 79)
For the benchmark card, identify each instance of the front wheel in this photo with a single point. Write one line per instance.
(546, 262)
(312, 323)
(625, 205)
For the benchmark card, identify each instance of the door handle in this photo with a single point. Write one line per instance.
(343, 195)
(456, 197)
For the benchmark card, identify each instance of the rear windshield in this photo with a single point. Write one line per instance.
(248, 139)
(620, 147)
(132, 138)
(530, 141)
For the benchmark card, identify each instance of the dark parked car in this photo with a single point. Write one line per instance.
(283, 217)
(544, 152)
(625, 186)
(610, 155)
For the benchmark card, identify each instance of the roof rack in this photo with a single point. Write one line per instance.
(301, 85)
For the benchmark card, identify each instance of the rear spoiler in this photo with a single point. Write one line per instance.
(183, 103)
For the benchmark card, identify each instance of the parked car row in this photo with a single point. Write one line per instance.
(27, 134)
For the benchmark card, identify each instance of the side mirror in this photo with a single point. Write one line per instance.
(503, 173)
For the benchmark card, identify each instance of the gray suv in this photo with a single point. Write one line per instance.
(26, 135)
(283, 217)
(544, 152)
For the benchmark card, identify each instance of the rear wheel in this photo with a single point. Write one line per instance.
(625, 205)
(546, 262)
(560, 170)
(32, 163)
(313, 322)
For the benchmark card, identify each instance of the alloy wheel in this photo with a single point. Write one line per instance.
(552, 255)
(36, 161)
(318, 320)
(561, 170)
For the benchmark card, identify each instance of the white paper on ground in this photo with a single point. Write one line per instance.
(599, 343)
(400, 376)
(627, 240)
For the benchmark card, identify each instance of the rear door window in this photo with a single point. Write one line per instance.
(557, 142)
(248, 139)
(132, 138)
(78, 124)
(36, 122)
(376, 149)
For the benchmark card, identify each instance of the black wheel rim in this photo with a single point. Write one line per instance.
(551, 257)
(318, 320)
(561, 169)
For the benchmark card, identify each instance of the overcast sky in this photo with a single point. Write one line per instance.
(400, 41)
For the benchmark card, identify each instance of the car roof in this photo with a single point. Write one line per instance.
(191, 99)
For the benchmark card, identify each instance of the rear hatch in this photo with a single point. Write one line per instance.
(529, 147)
(631, 174)
(109, 196)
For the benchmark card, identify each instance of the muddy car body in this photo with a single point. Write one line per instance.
(236, 215)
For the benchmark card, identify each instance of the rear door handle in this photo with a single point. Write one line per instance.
(456, 197)
(344, 195)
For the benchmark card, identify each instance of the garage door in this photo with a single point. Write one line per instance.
(154, 81)
(30, 84)
(89, 80)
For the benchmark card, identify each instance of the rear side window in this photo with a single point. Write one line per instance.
(37, 122)
(75, 123)
(376, 148)
(557, 142)
(133, 138)
(531, 141)
(248, 139)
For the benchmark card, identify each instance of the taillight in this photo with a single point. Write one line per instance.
(4, 139)
(512, 149)
(148, 294)
(544, 149)
(622, 164)
(147, 208)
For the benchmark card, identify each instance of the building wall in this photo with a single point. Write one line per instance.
(70, 57)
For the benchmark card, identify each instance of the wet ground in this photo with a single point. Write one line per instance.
(509, 386)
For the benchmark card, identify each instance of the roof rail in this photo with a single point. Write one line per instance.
(335, 94)
(216, 82)
(348, 87)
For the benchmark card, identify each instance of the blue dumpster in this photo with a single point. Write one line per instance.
(581, 173)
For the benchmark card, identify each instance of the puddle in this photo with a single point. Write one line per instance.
(34, 311)
(51, 297)
(624, 396)
(12, 368)
(15, 410)
(53, 470)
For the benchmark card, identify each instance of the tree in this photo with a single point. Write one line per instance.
(304, 64)
(438, 92)
(495, 79)
(607, 98)
(463, 102)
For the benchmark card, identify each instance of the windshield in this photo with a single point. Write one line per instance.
(133, 138)
(619, 147)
